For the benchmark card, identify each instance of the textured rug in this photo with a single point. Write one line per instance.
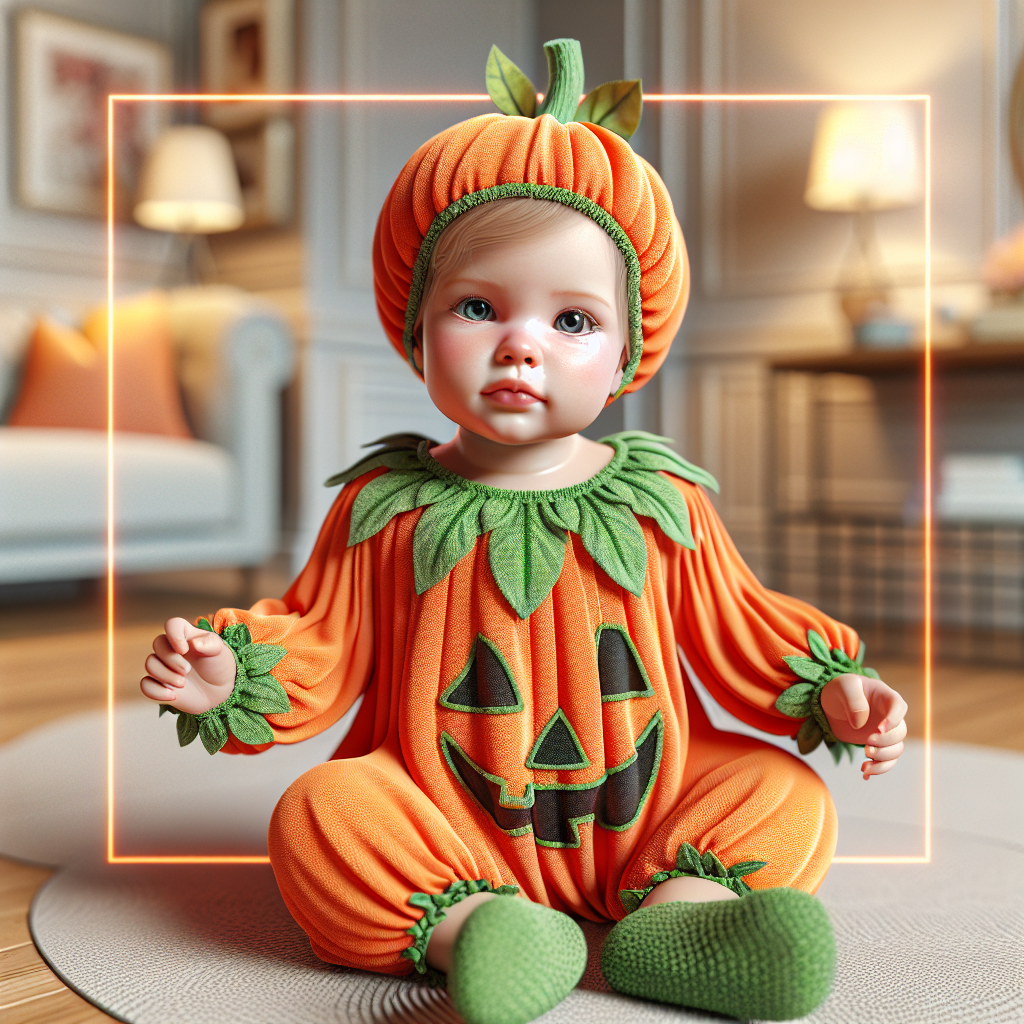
(941, 943)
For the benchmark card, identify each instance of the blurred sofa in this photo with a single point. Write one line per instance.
(178, 502)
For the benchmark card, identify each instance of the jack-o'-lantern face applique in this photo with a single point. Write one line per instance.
(553, 811)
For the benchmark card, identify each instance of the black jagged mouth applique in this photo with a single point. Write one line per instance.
(554, 811)
(628, 784)
(510, 813)
(486, 685)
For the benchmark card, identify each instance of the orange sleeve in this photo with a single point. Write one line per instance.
(325, 623)
(734, 631)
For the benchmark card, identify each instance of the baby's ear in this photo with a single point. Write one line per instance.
(417, 352)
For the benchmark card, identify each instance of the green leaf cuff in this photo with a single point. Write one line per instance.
(528, 529)
(690, 863)
(256, 693)
(434, 906)
(803, 699)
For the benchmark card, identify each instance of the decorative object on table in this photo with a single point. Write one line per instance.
(1003, 272)
(247, 46)
(982, 488)
(190, 187)
(864, 161)
(65, 71)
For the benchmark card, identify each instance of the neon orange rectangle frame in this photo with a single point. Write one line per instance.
(923, 98)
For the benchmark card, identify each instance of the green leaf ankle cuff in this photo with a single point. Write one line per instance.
(434, 905)
(803, 699)
(691, 863)
(256, 693)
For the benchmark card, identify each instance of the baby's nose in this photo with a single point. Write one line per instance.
(521, 345)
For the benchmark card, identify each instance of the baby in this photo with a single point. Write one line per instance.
(511, 605)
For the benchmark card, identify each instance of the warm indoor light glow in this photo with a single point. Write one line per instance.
(864, 158)
(469, 98)
(189, 183)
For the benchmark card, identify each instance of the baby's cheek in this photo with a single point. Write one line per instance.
(590, 365)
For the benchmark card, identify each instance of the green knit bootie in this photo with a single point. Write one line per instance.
(769, 955)
(513, 961)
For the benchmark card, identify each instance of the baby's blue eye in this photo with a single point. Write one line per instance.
(475, 309)
(574, 321)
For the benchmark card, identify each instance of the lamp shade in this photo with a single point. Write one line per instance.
(864, 158)
(189, 183)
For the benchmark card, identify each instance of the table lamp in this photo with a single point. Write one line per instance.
(189, 186)
(864, 161)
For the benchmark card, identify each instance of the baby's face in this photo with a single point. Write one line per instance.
(525, 341)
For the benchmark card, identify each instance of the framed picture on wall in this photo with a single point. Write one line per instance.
(65, 70)
(246, 46)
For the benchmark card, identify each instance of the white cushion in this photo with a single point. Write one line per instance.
(53, 484)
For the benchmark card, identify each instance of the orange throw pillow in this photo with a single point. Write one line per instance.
(65, 378)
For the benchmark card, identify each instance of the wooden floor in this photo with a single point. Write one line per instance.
(53, 663)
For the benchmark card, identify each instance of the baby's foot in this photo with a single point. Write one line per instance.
(513, 961)
(769, 955)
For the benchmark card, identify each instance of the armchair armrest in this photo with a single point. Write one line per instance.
(234, 354)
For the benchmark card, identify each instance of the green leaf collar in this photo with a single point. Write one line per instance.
(256, 693)
(528, 529)
(803, 699)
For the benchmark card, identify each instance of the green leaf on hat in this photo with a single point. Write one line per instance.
(512, 92)
(616, 106)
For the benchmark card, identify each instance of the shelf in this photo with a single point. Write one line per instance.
(890, 362)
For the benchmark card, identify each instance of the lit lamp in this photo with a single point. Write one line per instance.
(864, 161)
(189, 186)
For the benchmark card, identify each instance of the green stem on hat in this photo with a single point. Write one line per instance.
(565, 79)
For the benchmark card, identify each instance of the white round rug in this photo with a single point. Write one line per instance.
(941, 943)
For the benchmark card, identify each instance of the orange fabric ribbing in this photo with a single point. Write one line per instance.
(494, 149)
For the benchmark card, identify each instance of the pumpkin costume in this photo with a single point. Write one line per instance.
(526, 725)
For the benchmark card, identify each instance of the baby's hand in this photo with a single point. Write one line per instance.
(191, 668)
(860, 709)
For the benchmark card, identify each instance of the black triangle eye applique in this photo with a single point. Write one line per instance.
(485, 686)
(558, 746)
(619, 668)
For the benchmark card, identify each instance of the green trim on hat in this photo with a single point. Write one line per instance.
(528, 190)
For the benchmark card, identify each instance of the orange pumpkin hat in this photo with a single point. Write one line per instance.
(547, 154)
